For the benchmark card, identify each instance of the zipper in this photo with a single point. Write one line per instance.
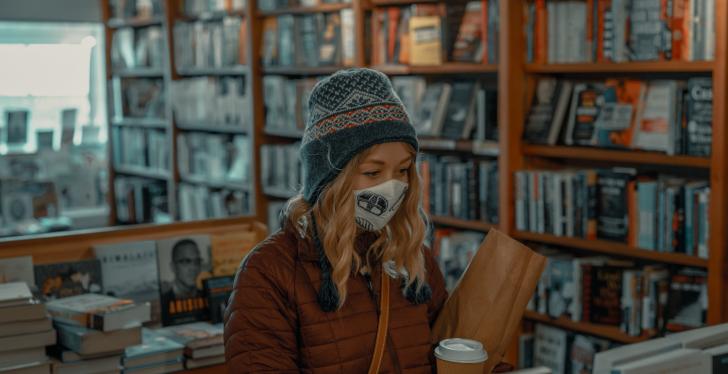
(390, 344)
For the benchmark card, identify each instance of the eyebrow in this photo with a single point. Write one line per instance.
(380, 162)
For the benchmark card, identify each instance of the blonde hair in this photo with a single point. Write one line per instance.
(400, 241)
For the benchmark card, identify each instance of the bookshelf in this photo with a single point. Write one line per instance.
(607, 332)
(615, 156)
(321, 8)
(673, 67)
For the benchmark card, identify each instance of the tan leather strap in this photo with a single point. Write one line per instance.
(383, 324)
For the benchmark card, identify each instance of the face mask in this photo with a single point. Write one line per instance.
(375, 206)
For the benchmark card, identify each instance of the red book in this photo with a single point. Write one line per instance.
(542, 32)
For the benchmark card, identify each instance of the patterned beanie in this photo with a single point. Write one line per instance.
(349, 112)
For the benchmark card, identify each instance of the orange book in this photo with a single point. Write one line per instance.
(680, 26)
(604, 7)
(632, 214)
(377, 41)
(541, 29)
(392, 26)
(242, 46)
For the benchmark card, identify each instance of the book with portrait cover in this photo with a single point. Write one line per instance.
(183, 263)
(66, 279)
(129, 271)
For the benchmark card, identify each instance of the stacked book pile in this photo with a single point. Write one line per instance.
(156, 354)
(203, 343)
(25, 331)
(94, 330)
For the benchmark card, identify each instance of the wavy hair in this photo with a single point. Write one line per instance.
(401, 240)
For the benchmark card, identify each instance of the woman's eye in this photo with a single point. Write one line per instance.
(371, 173)
(404, 171)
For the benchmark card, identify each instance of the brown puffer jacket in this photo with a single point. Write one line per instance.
(274, 323)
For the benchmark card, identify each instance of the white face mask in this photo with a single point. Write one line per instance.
(375, 206)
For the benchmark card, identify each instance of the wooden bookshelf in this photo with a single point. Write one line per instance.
(283, 133)
(602, 331)
(152, 123)
(215, 71)
(624, 67)
(449, 68)
(210, 16)
(228, 185)
(615, 156)
(321, 8)
(116, 23)
(461, 223)
(399, 2)
(486, 148)
(612, 248)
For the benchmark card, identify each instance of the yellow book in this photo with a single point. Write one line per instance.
(229, 249)
(425, 35)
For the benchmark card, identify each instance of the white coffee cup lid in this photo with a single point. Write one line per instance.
(464, 351)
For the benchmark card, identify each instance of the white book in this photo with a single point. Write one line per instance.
(654, 121)
(552, 32)
(14, 294)
(680, 361)
(17, 269)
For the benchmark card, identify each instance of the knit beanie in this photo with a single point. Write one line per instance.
(349, 112)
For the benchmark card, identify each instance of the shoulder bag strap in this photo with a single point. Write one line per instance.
(383, 324)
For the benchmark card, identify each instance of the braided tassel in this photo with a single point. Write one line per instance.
(328, 295)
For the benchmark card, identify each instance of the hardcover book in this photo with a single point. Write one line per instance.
(229, 249)
(17, 269)
(68, 278)
(699, 116)
(184, 262)
(99, 312)
(218, 290)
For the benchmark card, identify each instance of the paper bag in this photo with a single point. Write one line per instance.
(488, 302)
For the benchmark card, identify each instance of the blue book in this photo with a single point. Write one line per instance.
(155, 349)
(647, 205)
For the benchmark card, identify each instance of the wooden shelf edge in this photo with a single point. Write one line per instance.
(603, 331)
(153, 123)
(116, 23)
(217, 71)
(211, 16)
(446, 68)
(322, 8)
(142, 172)
(461, 223)
(616, 156)
(398, 2)
(478, 148)
(613, 248)
(138, 73)
(624, 67)
(218, 129)
(282, 133)
(228, 185)
(302, 70)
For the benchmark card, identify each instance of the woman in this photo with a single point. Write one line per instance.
(307, 298)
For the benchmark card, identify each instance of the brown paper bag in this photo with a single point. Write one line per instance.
(488, 302)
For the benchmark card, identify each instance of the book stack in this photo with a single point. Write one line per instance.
(462, 189)
(211, 102)
(281, 169)
(199, 202)
(138, 147)
(277, 4)
(214, 157)
(658, 213)
(453, 250)
(204, 7)
(559, 350)
(309, 40)
(640, 301)
(156, 355)
(139, 200)
(452, 110)
(210, 44)
(25, 331)
(667, 116)
(620, 31)
(202, 341)
(94, 330)
(138, 9)
(286, 104)
(427, 34)
(138, 98)
(137, 48)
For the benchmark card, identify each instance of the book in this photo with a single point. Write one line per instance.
(229, 249)
(459, 118)
(612, 221)
(582, 351)
(718, 356)
(25, 327)
(17, 269)
(39, 367)
(22, 356)
(99, 312)
(433, 109)
(96, 365)
(425, 39)
(194, 335)
(678, 361)
(546, 115)
(183, 264)
(606, 294)
(14, 294)
(38, 339)
(86, 341)
(657, 118)
(585, 108)
(617, 125)
(699, 116)
(66, 279)
(33, 310)
(218, 290)
(687, 300)
(550, 348)
(154, 349)
(469, 42)
(129, 271)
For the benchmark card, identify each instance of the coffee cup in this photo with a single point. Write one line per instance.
(462, 356)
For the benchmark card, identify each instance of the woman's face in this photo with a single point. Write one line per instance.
(384, 162)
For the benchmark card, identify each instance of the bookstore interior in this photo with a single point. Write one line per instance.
(146, 146)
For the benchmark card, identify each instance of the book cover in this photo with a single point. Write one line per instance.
(129, 271)
(469, 42)
(218, 290)
(605, 305)
(586, 104)
(14, 294)
(426, 40)
(612, 219)
(99, 312)
(68, 278)
(432, 110)
(229, 249)
(194, 335)
(550, 348)
(152, 344)
(582, 352)
(615, 125)
(459, 111)
(17, 269)
(270, 41)
(687, 300)
(184, 262)
(657, 118)
(540, 116)
(699, 116)
(330, 39)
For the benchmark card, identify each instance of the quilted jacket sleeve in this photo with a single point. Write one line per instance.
(437, 284)
(260, 321)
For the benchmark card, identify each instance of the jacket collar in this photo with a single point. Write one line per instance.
(307, 250)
